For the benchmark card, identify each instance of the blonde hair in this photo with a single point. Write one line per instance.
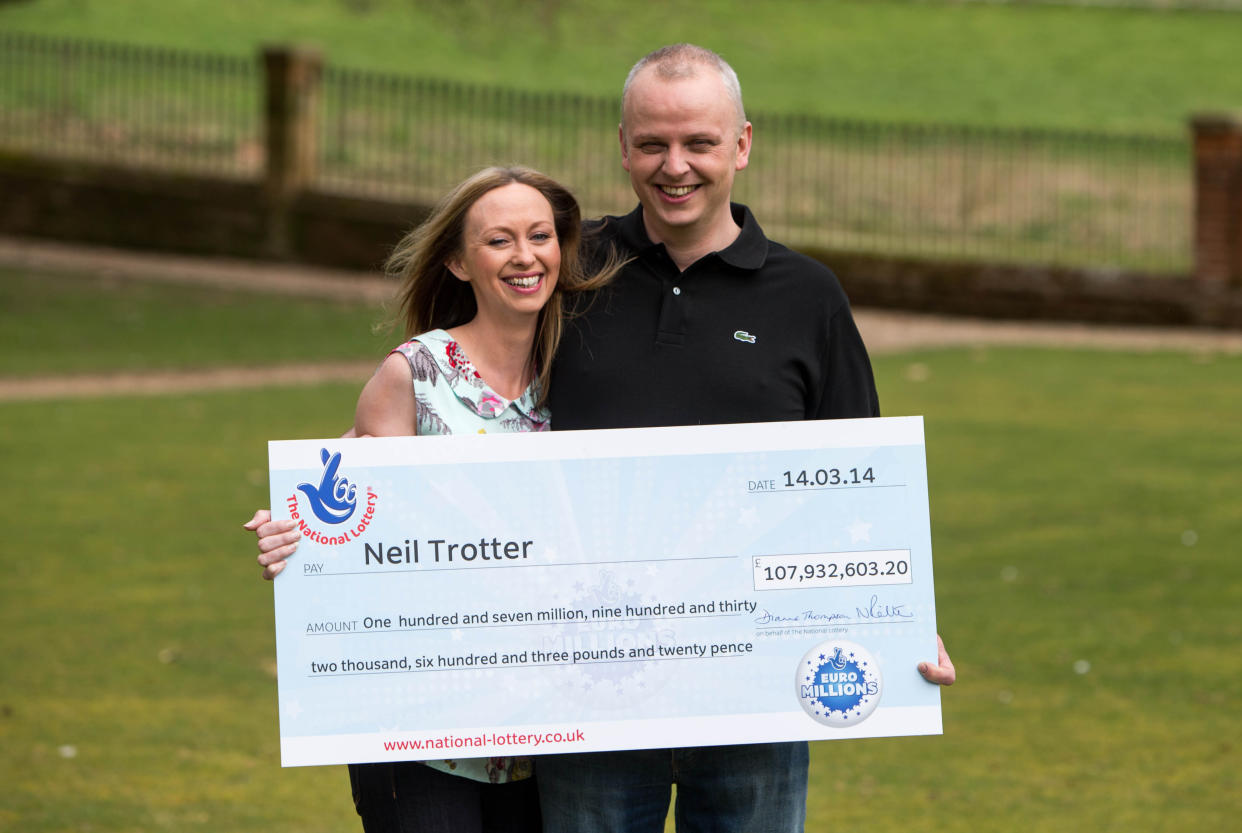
(682, 60)
(431, 297)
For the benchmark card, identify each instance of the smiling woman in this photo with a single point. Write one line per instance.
(483, 280)
(511, 258)
(492, 264)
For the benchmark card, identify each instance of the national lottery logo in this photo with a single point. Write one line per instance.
(838, 683)
(333, 500)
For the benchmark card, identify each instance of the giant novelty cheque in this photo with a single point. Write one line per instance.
(466, 596)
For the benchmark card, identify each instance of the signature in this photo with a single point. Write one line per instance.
(769, 618)
(874, 611)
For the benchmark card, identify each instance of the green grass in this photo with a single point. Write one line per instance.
(59, 323)
(1016, 64)
(1084, 509)
(135, 628)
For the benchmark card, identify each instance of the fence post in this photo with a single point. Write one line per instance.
(292, 88)
(1218, 200)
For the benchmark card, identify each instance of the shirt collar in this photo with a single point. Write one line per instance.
(748, 251)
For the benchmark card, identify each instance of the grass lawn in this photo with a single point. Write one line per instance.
(1086, 527)
(89, 324)
(140, 690)
(1019, 65)
(1085, 524)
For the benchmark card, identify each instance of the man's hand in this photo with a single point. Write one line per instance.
(277, 541)
(941, 673)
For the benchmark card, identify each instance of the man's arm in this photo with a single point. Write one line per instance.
(847, 389)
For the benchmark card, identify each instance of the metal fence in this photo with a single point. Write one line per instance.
(974, 193)
(1076, 199)
(415, 138)
(1014, 195)
(139, 106)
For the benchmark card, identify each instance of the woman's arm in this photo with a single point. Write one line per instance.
(386, 406)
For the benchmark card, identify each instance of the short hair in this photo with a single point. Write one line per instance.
(432, 298)
(682, 60)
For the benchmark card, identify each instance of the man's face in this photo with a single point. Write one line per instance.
(681, 143)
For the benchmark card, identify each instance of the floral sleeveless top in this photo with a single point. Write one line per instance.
(452, 398)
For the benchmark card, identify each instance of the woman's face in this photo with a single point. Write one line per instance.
(510, 255)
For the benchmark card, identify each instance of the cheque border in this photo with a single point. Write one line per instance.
(612, 442)
(894, 721)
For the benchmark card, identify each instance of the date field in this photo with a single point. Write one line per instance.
(831, 569)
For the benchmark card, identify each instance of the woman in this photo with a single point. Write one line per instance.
(483, 283)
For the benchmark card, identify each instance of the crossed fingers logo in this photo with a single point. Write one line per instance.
(333, 501)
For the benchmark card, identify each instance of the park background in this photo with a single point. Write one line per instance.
(1085, 510)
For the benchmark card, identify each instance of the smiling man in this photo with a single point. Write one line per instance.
(683, 137)
(709, 322)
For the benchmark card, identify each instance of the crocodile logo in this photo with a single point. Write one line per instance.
(742, 335)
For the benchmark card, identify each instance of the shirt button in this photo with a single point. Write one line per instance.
(676, 290)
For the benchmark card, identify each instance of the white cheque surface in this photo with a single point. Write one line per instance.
(513, 594)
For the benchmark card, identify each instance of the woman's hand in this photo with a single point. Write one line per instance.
(277, 541)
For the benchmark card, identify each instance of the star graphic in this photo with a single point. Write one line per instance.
(859, 531)
(294, 708)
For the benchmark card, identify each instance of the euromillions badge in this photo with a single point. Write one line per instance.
(838, 683)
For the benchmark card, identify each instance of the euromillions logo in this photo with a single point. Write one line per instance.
(838, 683)
(334, 499)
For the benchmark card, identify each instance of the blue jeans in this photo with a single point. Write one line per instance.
(758, 788)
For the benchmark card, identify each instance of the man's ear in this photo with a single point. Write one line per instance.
(625, 151)
(743, 148)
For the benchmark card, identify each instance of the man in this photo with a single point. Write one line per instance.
(710, 322)
(746, 330)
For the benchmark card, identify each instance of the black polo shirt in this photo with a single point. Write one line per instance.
(753, 333)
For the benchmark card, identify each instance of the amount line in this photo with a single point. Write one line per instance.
(520, 665)
(524, 624)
